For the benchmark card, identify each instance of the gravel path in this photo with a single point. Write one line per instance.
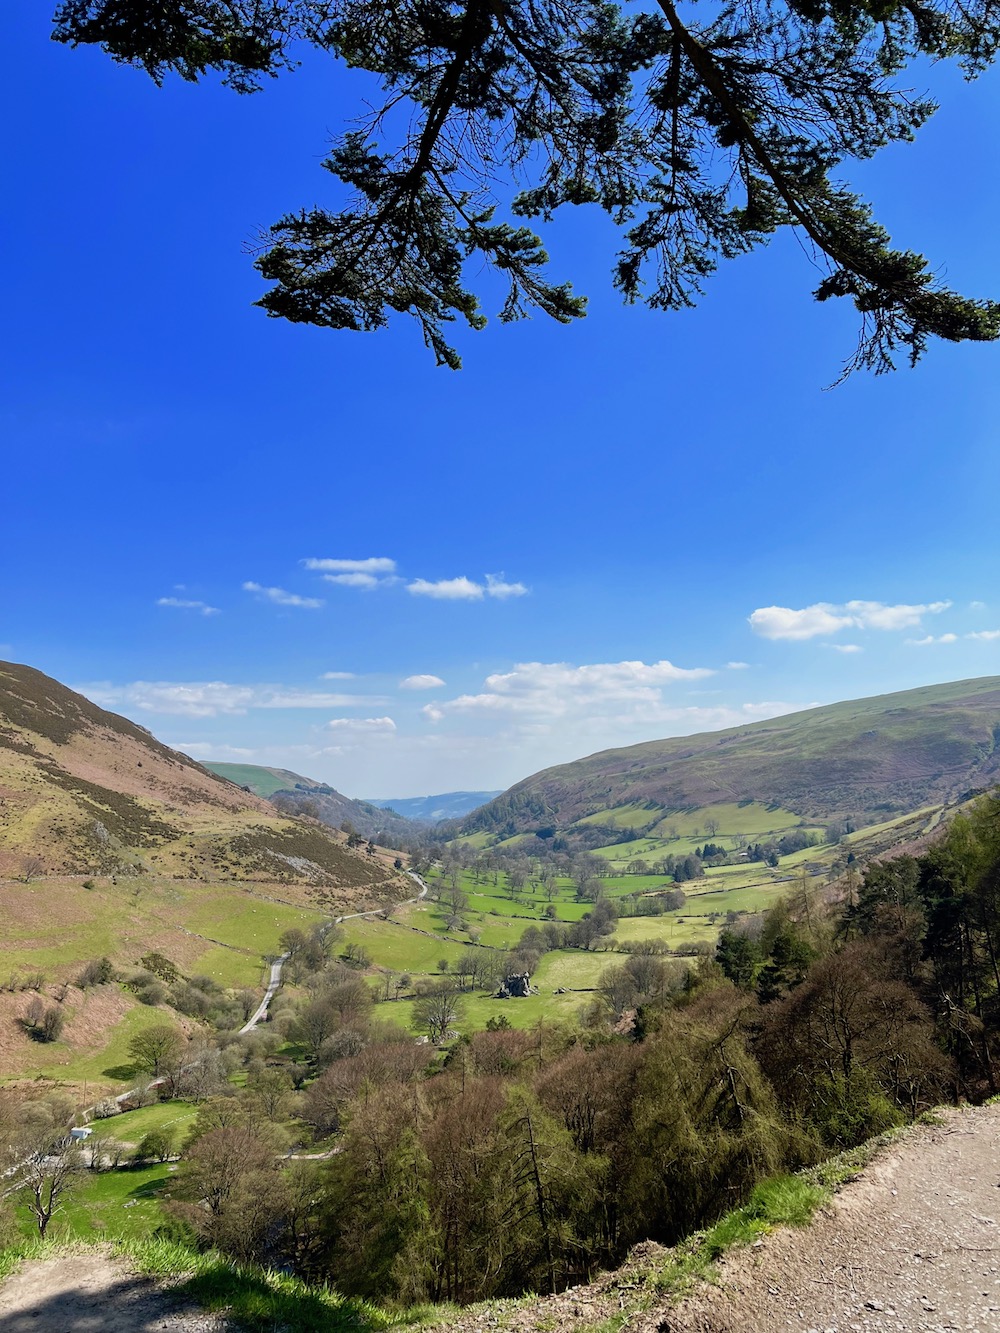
(912, 1247)
(92, 1293)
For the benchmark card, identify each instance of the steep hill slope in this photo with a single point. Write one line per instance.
(85, 791)
(867, 758)
(294, 794)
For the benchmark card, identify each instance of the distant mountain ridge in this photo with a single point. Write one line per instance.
(864, 758)
(297, 794)
(433, 809)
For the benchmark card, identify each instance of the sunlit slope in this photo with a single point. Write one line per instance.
(84, 791)
(867, 758)
(261, 780)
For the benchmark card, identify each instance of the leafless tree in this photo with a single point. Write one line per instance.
(47, 1176)
(31, 866)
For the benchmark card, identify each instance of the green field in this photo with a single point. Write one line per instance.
(60, 1061)
(131, 1126)
(111, 1204)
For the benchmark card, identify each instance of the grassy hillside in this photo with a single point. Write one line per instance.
(261, 780)
(113, 845)
(869, 759)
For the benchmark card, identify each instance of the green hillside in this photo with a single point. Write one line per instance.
(261, 781)
(866, 759)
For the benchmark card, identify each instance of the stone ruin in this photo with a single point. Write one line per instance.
(515, 987)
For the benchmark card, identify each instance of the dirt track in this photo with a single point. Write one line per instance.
(913, 1246)
(92, 1293)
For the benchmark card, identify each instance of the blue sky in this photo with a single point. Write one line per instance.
(598, 500)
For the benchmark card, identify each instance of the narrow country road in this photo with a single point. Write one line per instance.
(275, 981)
(272, 989)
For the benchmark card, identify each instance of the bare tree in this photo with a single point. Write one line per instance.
(31, 866)
(48, 1174)
(437, 1012)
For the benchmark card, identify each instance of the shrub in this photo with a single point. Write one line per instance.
(161, 967)
(97, 972)
(106, 1108)
(158, 1145)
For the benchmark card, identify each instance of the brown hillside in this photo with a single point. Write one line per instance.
(867, 758)
(85, 791)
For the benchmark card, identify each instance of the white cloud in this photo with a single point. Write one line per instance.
(977, 606)
(448, 590)
(374, 564)
(465, 589)
(282, 598)
(553, 690)
(214, 698)
(845, 647)
(281, 698)
(737, 666)
(930, 638)
(338, 675)
(876, 615)
(421, 683)
(497, 587)
(185, 604)
(783, 622)
(985, 635)
(364, 726)
(365, 581)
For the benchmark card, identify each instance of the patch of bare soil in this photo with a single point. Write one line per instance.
(92, 1293)
(912, 1246)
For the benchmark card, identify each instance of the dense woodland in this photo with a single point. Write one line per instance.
(509, 1160)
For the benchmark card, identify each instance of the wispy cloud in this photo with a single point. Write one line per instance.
(985, 635)
(447, 590)
(188, 604)
(373, 564)
(280, 597)
(737, 666)
(338, 675)
(363, 726)
(464, 589)
(214, 698)
(554, 689)
(496, 586)
(823, 618)
(421, 683)
(364, 581)
(845, 647)
(932, 638)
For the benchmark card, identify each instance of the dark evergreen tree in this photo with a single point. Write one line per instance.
(699, 133)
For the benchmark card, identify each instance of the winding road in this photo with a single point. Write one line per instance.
(276, 967)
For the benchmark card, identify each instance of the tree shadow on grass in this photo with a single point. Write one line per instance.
(262, 1304)
(120, 1073)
